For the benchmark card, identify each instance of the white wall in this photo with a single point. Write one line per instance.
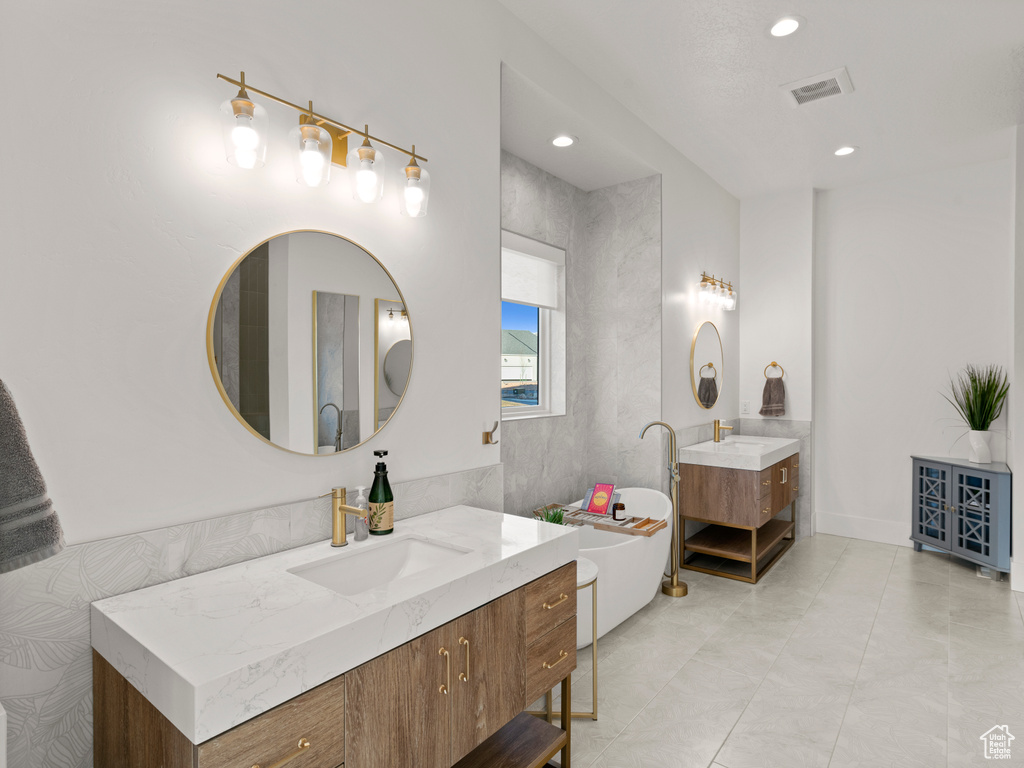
(911, 283)
(776, 248)
(1015, 447)
(115, 245)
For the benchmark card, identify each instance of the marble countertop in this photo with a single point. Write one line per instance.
(213, 650)
(752, 452)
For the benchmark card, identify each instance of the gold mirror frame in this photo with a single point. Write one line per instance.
(721, 366)
(211, 359)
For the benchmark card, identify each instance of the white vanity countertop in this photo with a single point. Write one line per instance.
(213, 650)
(740, 452)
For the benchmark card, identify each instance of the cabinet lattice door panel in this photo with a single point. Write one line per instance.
(964, 509)
(972, 514)
(931, 515)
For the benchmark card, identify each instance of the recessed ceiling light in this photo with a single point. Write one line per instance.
(843, 151)
(787, 25)
(565, 140)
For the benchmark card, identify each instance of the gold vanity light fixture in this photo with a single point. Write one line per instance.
(245, 129)
(314, 145)
(366, 168)
(717, 292)
(319, 142)
(416, 190)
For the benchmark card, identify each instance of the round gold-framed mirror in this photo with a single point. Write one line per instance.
(706, 363)
(292, 340)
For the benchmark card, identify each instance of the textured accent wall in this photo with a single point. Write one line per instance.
(45, 651)
(612, 239)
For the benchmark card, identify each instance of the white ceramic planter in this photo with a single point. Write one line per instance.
(980, 452)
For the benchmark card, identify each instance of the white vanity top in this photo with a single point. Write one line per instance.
(213, 650)
(740, 452)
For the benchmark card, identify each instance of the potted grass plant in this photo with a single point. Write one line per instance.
(978, 394)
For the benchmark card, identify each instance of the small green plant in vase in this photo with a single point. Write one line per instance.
(978, 394)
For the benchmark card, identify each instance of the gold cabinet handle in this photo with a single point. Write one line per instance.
(464, 676)
(796, 488)
(784, 478)
(448, 675)
(766, 482)
(766, 510)
(562, 656)
(302, 747)
(562, 597)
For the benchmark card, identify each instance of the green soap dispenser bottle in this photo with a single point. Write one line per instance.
(382, 501)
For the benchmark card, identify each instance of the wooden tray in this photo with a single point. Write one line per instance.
(632, 526)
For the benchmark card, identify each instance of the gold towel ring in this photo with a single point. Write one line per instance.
(712, 367)
(773, 364)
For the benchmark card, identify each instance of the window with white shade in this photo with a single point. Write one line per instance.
(532, 328)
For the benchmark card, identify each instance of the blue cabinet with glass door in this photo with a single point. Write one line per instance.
(963, 508)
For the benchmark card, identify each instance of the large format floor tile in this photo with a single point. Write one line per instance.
(848, 653)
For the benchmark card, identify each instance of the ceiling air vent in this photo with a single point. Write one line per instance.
(819, 87)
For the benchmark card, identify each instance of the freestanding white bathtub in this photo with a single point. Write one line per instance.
(630, 568)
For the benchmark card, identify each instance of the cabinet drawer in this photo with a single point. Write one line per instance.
(550, 658)
(550, 600)
(317, 716)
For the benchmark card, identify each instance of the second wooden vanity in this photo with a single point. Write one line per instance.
(453, 696)
(739, 506)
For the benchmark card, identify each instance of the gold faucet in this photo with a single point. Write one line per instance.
(340, 509)
(718, 430)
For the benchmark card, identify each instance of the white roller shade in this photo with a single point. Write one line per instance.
(530, 271)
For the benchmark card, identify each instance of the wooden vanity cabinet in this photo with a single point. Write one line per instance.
(417, 705)
(739, 506)
(454, 695)
(129, 732)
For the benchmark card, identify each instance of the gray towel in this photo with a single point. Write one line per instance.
(707, 391)
(29, 528)
(773, 401)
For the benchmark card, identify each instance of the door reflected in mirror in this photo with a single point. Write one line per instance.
(706, 360)
(292, 342)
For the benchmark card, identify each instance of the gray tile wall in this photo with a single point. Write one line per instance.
(45, 651)
(544, 459)
(612, 239)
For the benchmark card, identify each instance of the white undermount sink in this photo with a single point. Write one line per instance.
(378, 564)
(753, 452)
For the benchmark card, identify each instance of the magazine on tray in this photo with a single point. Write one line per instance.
(600, 499)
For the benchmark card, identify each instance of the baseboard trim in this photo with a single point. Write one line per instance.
(882, 531)
(1017, 574)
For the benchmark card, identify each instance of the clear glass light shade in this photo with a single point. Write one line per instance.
(703, 289)
(311, 148)
(730, 301)
(245, 126)
(366, 170)
(415, 191)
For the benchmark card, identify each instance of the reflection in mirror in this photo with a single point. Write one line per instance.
(291, 341)
(393, 361)
(397, 363)
(336, 361)
(706, 358)
(707, 390)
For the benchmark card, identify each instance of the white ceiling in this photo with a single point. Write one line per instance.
(937, 82)
(531, 117)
